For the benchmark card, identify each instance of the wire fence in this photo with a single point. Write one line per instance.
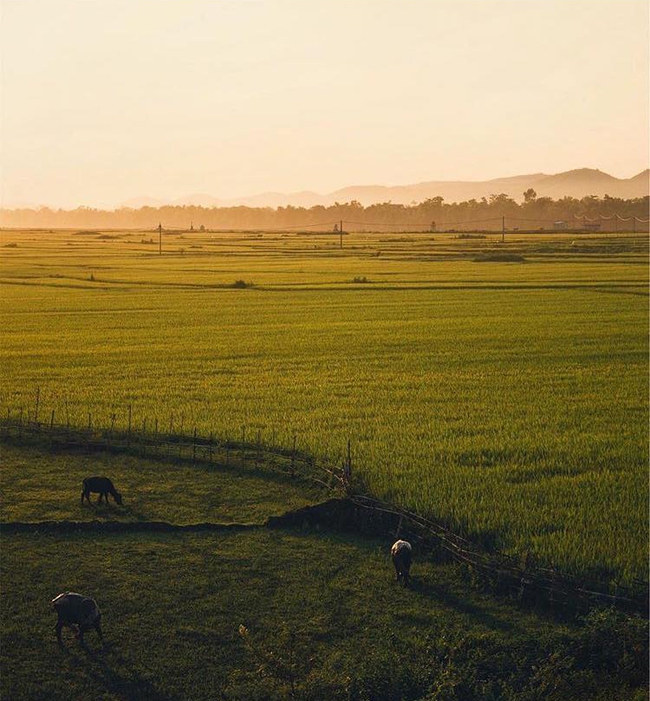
(500, 573)
(575, 223)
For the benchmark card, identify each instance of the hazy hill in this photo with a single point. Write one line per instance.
(573, 183)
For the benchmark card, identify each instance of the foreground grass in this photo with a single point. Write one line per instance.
(172, 605)
(509, 400)
(43, 486)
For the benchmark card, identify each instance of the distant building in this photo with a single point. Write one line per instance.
(592, 226)
(560, 226)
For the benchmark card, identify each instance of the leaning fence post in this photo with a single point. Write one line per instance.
(399, 526)
(38, 398)
(347, 466)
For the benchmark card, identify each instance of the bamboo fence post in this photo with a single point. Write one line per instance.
(349, 459)
(194, 447)
(38, 398)
(128, 442)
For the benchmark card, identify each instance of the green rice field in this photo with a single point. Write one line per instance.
(499, 387)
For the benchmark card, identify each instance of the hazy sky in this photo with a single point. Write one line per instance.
(105, 100)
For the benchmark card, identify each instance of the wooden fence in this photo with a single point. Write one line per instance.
(499, 572)
(153, 443)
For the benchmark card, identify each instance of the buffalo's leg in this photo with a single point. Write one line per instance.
(98, 628)
(57, 627)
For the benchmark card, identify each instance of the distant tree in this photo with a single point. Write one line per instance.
(501, 199)
(530, 195)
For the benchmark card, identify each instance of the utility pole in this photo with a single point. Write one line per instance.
(503, 229)
(159, 239)
(341, 234)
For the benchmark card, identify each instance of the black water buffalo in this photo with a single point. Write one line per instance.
(402, 555)
(102, 485)
(79, 613)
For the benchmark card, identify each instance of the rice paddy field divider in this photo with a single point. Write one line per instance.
(496, 571)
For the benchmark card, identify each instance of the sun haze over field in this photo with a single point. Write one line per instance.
(107, 101)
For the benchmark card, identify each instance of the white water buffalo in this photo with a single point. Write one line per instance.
(402, 555)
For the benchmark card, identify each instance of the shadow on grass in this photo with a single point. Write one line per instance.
(442, 593)
(124, 683)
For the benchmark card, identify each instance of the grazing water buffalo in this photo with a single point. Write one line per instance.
(77, 612)
(402, 555)
(102, 485)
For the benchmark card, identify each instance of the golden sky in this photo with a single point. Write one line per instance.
(105, 100)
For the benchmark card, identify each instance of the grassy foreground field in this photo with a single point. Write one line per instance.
(323, 617)
(172, 606)
(506, 398)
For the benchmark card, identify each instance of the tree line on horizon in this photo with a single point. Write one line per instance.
(434, 213)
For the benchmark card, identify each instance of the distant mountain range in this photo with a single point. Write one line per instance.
(572, 183)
